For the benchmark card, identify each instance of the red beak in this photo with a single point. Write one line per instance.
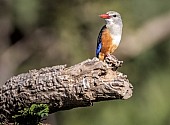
(104, 16)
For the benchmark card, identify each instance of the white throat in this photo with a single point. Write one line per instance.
(116, 32)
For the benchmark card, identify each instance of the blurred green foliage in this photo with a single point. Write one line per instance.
(68, 31)
(31, 115)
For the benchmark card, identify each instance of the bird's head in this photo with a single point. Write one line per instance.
(112, 17)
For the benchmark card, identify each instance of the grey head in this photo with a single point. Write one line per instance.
(113, 21)
(114, 24)
(114, 18)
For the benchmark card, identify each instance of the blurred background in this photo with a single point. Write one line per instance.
(41, 33)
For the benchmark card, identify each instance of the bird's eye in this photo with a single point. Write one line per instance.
(114, 15)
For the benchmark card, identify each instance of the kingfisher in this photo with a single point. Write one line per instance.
(110, 34)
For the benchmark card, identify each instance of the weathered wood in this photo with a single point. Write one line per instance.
(64, 87)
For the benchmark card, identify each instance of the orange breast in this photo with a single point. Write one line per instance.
(107, 45)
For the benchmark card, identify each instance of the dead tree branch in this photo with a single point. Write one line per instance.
(63, 88)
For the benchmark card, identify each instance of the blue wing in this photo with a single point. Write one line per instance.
(99, 42)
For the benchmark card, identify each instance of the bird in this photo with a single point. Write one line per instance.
(110, 35)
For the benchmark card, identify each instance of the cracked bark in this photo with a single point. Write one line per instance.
(64, 88)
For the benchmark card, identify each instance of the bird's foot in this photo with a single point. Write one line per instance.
(112, 61)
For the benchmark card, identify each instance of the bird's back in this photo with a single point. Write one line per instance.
(99, 41)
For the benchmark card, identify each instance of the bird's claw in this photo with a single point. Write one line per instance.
(112, 61)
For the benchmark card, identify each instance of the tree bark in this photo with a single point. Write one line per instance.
(63, 88)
